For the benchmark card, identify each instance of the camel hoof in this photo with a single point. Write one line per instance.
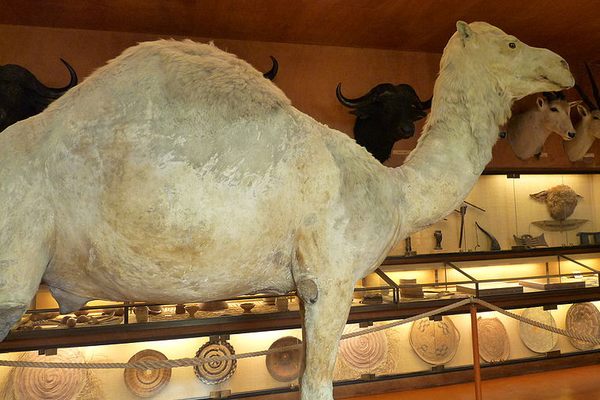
(308, 290)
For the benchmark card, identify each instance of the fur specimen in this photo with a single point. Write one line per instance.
(177, 173)
(561, 201)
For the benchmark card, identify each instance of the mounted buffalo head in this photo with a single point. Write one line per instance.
(386, 114)
(22, 95)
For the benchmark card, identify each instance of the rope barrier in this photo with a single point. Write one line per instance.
(563, 332)
(188, 362)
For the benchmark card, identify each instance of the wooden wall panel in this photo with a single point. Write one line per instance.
(308, 75)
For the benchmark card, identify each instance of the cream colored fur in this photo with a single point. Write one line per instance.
(177, 173)
(588, 130)
(528, 131)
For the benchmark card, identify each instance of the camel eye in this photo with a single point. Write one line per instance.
(512, 45)
(596, 117)
(553, 109)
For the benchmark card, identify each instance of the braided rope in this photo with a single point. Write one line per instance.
(188, 362)
(563, 332)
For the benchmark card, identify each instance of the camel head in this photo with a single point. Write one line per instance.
(556, 114)
(518, 69)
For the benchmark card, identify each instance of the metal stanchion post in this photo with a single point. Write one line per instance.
(475, 342)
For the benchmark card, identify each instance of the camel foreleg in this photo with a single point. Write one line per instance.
(323, 323)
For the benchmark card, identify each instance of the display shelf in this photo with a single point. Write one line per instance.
(233, 324)
(490, 255)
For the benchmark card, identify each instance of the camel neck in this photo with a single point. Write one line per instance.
(454, 148)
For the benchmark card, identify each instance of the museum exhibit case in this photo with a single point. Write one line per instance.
(526, 239)
(555, 283)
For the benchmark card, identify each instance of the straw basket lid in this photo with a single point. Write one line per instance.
(435, 342)
(493, 340)
(366, 351)
(215, 372)
(537, 339)
(583, 319)
(49, 383)
(284, 366)
(146, 383)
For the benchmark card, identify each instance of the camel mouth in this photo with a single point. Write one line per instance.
(544, 78)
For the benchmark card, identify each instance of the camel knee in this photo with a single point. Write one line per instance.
(308, 290)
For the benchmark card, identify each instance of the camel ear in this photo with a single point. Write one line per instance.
(540, 102)
(464, 30)
(582, 111)
(540, 196)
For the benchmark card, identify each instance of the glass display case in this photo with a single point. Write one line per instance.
(544, 279)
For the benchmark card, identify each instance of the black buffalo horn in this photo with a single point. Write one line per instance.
(55, 93)
(426, 104)
(594, 86)
(367, 98)
(270, 74)
(352, 103)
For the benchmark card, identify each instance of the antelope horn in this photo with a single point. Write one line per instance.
(270, 74)
(584, 97)
(54, 93)
(594, 86)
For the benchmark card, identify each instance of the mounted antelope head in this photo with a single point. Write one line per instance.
(588, 128)
(528, 131)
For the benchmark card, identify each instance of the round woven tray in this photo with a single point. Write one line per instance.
(364, 352)
(147, 383)
(583, 319)
(284, 366)
(493, 340)
(435, 342)
(49, 383)
(215, 372)
(537, 339)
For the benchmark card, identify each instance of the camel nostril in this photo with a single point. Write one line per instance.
(571, 135)
(564, 64)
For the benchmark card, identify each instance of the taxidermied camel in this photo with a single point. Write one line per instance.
(528, 131)
(177, 173)
(588, 128)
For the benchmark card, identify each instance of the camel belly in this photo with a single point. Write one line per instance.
(176, 234)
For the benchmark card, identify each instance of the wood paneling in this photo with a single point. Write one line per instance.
(420, 25)
(308, 73)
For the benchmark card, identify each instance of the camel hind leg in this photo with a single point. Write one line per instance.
(24, 255)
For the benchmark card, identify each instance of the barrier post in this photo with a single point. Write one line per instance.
(475, 342)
